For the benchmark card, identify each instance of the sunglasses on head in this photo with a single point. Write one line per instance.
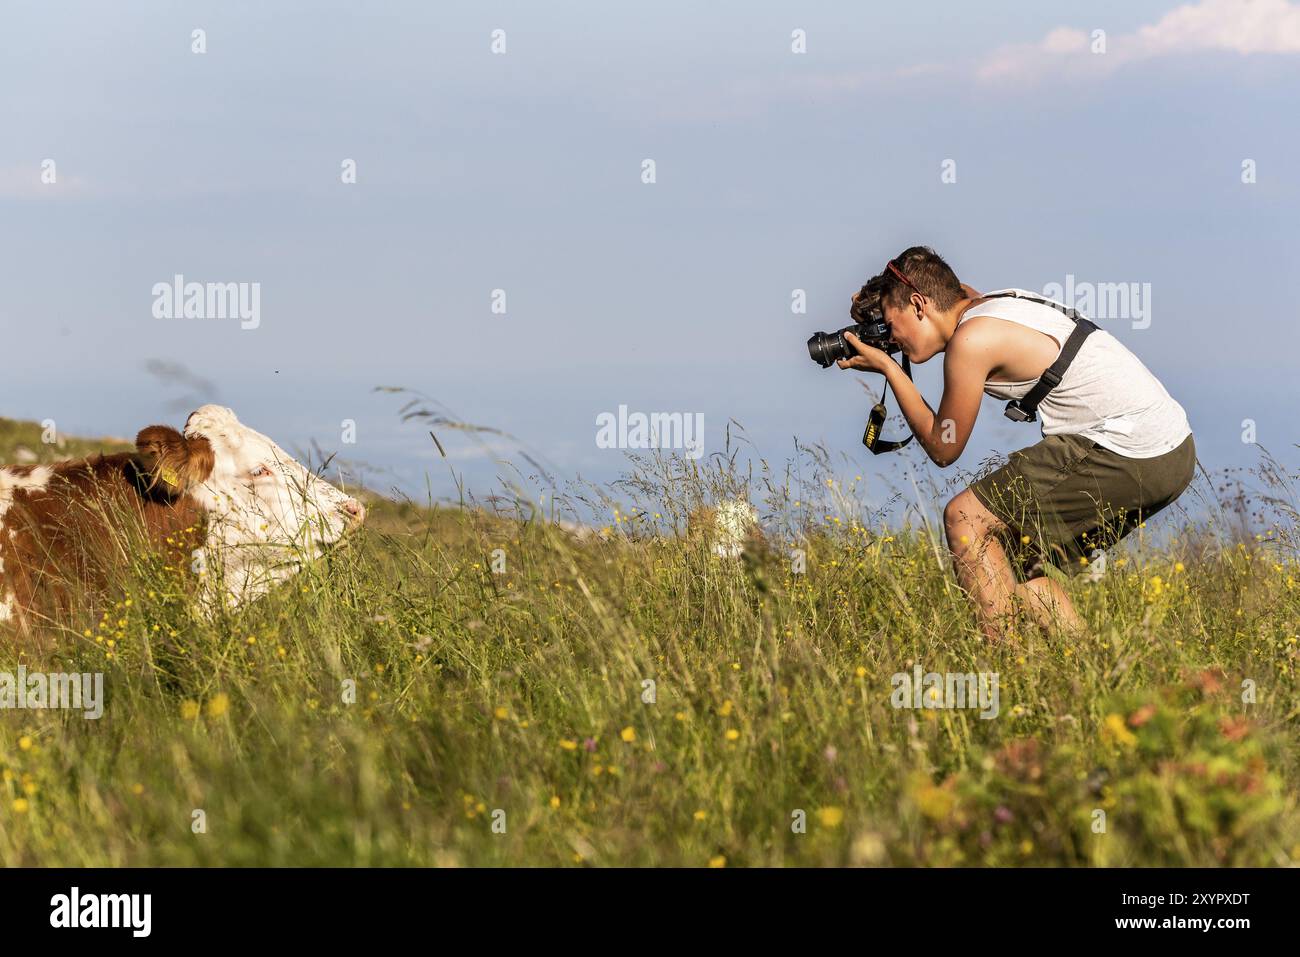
(898, 273)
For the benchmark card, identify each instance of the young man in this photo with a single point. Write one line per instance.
(1116, 447)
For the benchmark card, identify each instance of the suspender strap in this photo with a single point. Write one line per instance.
(1025, 409)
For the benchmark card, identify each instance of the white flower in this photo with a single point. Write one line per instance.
(1096, 566)
(731, 523)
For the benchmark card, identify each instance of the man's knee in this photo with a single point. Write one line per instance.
(965, 517)
(960, 512)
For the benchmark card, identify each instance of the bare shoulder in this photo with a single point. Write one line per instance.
(977, 333)
(977, 347)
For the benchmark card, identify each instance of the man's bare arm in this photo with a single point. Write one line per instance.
(967, 362)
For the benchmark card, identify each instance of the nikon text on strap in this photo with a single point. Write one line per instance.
(876, 421)
(1025, 409)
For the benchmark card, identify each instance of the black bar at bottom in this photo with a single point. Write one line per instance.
(336, 906)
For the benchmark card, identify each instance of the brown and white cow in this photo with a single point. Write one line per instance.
(219, 498)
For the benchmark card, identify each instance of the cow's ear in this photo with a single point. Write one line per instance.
(172, 462)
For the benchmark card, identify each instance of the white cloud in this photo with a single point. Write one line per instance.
(1246, 27)
(1242, 26)
(1065, 40)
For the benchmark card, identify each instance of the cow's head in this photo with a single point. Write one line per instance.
(267, 514)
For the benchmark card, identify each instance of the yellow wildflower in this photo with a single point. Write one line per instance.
(1115, 731)
(830, 816)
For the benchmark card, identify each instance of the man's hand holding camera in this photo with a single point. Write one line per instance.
(868, 358)
(912, 325)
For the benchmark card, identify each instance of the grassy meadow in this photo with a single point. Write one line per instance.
(474, 686)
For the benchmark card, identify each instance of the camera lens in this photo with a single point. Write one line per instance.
(826, 347)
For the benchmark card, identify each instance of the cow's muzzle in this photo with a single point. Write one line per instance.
(354, 510)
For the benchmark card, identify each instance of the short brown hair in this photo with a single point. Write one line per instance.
(927, 271)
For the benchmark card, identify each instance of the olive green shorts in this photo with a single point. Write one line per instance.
(1068, 495)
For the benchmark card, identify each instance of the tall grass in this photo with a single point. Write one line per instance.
(631, 698)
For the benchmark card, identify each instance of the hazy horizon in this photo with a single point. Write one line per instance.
(998, 136)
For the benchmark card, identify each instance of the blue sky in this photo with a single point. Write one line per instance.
(775, 171)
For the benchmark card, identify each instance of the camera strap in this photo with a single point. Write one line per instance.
(1025, 409)
(876, 421)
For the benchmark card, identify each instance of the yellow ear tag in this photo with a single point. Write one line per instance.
(170, 477)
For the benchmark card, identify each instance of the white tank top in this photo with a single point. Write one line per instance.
(1106, 395)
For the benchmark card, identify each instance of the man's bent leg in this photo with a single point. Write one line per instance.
(1050, 606)
(981, 563)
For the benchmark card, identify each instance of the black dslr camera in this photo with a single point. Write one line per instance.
(868, 325)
